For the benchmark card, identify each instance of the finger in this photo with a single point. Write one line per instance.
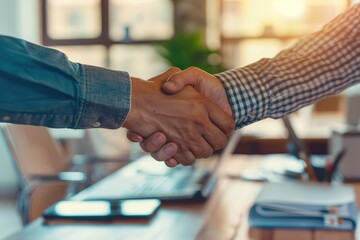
(171, 163)
(185, 158)
(221, 119)
(134, 137)
(202, 148)
(154, 142)
(165, 75)
(179, 80)
(166, 152)
(215, 137)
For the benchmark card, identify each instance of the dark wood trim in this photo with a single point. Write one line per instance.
(103, 39)
(260, 37)
(95, 41)
(44, 35)
(104, 36)
(254, 145)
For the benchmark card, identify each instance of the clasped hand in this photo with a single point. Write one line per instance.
(178, 127)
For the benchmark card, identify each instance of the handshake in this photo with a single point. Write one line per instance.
(179, 116)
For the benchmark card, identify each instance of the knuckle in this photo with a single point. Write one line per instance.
(188, 162)
(169, 164)
(174, 78)
(174, 69)
(192, 68)
(185, 159)
(130, 136)
(144, 146)
(230, 127)
(207, 153)
(157, 157)
(202, 151)
(221, 142)
(148, 146)
(222, 145)
(162, 154)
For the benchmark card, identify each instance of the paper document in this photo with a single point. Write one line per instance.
(306, 194)
(304, 205)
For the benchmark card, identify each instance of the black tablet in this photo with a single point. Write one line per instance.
(102, 210)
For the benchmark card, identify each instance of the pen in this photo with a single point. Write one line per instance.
(335, 164)
(309, 167)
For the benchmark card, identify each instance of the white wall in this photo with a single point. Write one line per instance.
(8, 178)
(18, 18)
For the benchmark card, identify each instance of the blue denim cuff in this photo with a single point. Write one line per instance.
(104, 98)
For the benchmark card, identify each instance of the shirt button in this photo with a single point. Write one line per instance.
(6, 118)
(96, 124)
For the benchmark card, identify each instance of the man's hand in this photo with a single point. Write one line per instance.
(187, 118)
(206, 84)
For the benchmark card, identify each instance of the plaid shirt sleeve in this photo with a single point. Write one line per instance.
(317, 65)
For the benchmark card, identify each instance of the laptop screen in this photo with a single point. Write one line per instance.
(228, 150)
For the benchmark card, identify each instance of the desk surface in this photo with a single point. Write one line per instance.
(223, 216)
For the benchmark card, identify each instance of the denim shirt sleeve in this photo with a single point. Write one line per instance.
(40, 86)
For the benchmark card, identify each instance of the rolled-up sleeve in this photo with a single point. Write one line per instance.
(317, 65)
(40, 86)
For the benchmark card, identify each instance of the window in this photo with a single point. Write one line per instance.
(253, 29)
(120, 34)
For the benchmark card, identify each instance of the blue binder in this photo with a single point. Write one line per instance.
(304, 206)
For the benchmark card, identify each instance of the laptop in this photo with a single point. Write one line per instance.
(146, 178)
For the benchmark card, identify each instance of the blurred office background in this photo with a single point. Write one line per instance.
(144, 37)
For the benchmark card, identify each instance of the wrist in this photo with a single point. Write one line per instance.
(133, 113)
(142, 106)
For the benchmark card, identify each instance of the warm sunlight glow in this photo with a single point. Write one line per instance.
(291, 9)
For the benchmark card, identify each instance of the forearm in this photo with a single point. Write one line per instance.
(317, 65)
(40, 86)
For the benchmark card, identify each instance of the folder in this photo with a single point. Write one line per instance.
(304, 206)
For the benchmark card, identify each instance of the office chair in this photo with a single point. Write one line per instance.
(43, 166)
(42, 175)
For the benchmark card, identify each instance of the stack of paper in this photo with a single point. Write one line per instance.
(301, 205)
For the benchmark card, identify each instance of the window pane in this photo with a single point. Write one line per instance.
(91, 55)
(277, 17)
(141, 19)
(249, 51)
(139, 60)
(69, 19)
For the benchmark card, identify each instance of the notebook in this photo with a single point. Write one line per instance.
(146, 178)
(304, 205)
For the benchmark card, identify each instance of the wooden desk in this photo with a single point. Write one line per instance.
(223, 216)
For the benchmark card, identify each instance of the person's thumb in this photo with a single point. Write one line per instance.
(177, 82)
(165, 75)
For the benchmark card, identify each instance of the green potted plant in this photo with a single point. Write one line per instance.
(188, 49)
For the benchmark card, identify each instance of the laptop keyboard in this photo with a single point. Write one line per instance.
(153, 186)
(144, 179)
(160, 185)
